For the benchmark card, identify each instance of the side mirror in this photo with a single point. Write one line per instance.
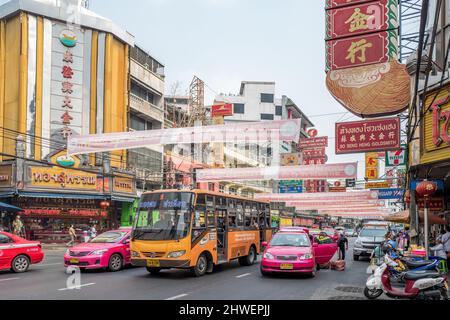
(264, 244)
(127, 241)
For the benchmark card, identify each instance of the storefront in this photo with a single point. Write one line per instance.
(54, 197)
(430, 160)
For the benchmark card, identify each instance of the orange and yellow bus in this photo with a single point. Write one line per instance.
(197, 229)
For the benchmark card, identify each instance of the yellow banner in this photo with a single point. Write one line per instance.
(285, 222)
(377, 185)
(124, 185)
(372, 166)
(67, 179)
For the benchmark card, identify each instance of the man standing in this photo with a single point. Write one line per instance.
(343, 245)
(446, 243)
(72, 235)
(17, 226)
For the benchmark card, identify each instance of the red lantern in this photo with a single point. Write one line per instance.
(104, 204)
(426, 188)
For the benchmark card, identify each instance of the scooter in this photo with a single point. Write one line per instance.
(420, 285)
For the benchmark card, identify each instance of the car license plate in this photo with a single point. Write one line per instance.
(286, 266)
(369, 250)
(153, 263)
(76, 261)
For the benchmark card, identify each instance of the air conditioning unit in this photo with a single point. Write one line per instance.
(411, 65)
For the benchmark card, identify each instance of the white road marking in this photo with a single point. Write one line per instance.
(83, 285)
(9, 279)
(48, 264)
(243, 275)
(178, 296)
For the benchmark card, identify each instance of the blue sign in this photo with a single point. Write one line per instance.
(388, 194)
(291, 189)
(440, 184)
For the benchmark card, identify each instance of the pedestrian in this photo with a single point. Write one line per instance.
(17, 226)
(438, 250)
(446, 243)
(343, 246)
(72, 235)
(93, 232)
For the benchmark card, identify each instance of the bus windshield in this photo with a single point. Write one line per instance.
(163, 216)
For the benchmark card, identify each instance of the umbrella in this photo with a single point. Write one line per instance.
(9, 208)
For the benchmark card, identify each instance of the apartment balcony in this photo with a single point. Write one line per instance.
(147, 77)
(144, 107)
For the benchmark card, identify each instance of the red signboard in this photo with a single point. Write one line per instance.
(311, 161)
(434, 204)
(222, 110)
(358, 19)
(318, 142)
(314, 153)
(358, 51)
(340, 3)
(368, 135)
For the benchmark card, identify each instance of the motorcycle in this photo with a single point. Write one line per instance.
(420, 285)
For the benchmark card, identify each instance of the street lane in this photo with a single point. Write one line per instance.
(230, 281)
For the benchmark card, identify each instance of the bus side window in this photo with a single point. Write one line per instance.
(200, 218)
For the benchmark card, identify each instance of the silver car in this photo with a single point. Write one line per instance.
(368, 239)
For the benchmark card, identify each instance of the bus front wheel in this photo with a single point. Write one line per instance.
(201, 267)
(153, 270)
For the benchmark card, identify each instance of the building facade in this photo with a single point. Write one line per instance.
(257, 101)
(64, 71)
(429, 122)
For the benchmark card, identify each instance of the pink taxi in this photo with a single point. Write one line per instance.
(109, 250)
(294, 251)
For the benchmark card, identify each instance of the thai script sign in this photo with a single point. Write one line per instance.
(389, 194)
(57, 178)
(222, 110)
(318, 142)
(368, 135)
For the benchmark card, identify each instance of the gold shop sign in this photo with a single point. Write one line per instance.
(66, 179)
(5, 176)
(435, 135)
(124, 185)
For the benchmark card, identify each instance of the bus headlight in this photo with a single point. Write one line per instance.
(176, 254)
(135, 254)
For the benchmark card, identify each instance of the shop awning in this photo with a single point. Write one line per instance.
(123, 199)
(62, 195)
(6, 194)
(9, 208)
(403, 217)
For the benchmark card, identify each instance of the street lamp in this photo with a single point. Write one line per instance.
(426, 189)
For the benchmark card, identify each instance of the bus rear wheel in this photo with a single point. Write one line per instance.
(201, 267)
(249, 259)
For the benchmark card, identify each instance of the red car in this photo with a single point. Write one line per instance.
(109, 250)
(293, 251)
(17, 254)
